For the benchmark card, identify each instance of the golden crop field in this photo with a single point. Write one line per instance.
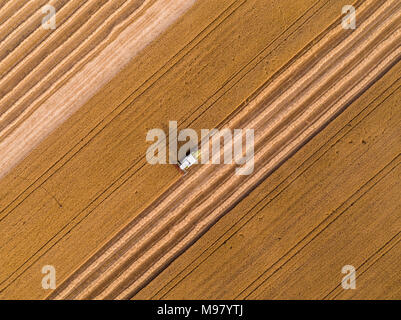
(79, 191)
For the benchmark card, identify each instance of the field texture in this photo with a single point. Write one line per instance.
(77, 191)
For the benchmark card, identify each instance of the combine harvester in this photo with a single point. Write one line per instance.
(190, 159)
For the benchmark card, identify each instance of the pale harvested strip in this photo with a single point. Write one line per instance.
(59, 93)
(26, 47)
(168, 227)
(18, 23)
(9, 8)
(35, 73)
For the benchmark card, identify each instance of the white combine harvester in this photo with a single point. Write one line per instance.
(189, 160)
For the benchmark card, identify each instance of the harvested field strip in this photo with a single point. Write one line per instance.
(23, 128)
(139, 257)
(86, 37)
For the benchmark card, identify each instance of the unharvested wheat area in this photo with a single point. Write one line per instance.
(88, 210)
